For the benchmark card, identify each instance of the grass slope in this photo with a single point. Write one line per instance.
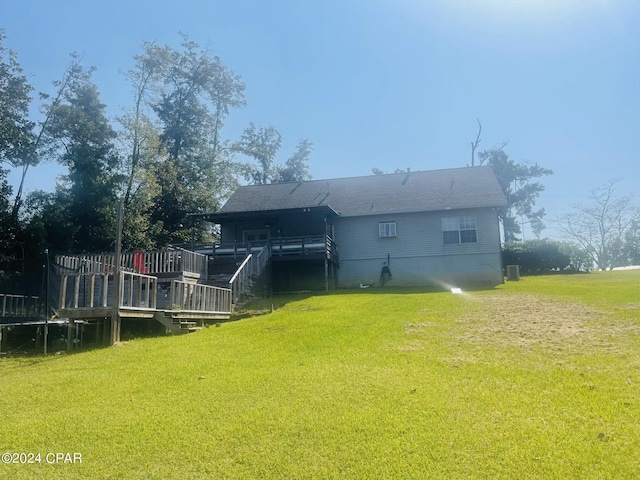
(535, 379)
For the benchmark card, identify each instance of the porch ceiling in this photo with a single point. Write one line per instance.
(219, 217)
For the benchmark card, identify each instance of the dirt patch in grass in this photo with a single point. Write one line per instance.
(631, 306)
(526, 320)
(418, 328)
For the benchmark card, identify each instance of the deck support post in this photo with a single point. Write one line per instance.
(47, 302)
(326, 274)
(115, 315)
(70, 335)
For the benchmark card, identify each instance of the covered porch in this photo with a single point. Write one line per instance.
(298, 244)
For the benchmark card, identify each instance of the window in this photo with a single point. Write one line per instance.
(256, 235)
(459, 230)
(387, 229)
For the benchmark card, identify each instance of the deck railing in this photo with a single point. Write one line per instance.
(192, 297)
(93, 290)
(90, 291)
(20, 306)
(281, 246)
(138, 291)
(176, 260)
(86, 290)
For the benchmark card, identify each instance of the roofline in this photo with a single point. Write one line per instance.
(411, 172)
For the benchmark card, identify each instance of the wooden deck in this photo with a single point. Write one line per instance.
(92, 289)
(93, 295)
(167, 286)
(21, 309)
(164, 263)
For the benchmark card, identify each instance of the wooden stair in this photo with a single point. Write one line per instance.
(175, 324)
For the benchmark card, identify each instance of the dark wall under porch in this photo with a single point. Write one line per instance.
(293, 276)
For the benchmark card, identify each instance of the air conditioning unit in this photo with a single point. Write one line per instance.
(513, 273)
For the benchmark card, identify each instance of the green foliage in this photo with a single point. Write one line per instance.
(538, 257)
(16, 136)
(537, 377)
(521, 192)
(377, 171)
(169, 158)
(190, 94)
(7, 233)
(262, 144)
(82, 139)
(632, 243)
(296, 168)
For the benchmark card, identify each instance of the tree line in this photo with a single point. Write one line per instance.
(164, 157)
(601, 234)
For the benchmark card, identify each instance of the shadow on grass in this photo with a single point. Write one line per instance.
(266, 305)
(391, 290)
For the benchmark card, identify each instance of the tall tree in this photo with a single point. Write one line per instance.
(377, 171)
(141, 147)
(16, 134)
(83, 140)
(475, 144)
(16, 140)
(41, 140)
(7, 233)
(296, 168)
(632, 243)
(138, 131)
(16, 130)
(261, 145)
(516, 181)
(602, 226)
(193, 93)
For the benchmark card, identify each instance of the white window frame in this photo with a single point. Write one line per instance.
(387, 230)
(465, 226)
(257, 233)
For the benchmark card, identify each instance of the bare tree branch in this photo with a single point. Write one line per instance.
(474, 145)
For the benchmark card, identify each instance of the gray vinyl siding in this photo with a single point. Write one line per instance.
(418, 254)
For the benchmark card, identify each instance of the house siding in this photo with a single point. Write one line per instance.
(417, 254)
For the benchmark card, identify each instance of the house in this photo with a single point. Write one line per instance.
(437, 227)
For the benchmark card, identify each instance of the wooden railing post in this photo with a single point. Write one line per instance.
(105, 289)
(76, 291)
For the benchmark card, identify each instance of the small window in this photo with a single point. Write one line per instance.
(459, 230)
(387, 229)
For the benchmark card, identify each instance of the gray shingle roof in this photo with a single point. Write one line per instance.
(453, 188)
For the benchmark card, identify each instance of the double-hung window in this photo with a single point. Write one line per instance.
(459, 230)
(387, 229)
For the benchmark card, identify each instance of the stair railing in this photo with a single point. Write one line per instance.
(251, 267)
(240, 282)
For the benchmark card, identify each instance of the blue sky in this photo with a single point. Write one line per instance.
(385, 83)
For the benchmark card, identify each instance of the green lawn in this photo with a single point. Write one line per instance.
(535, 379)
